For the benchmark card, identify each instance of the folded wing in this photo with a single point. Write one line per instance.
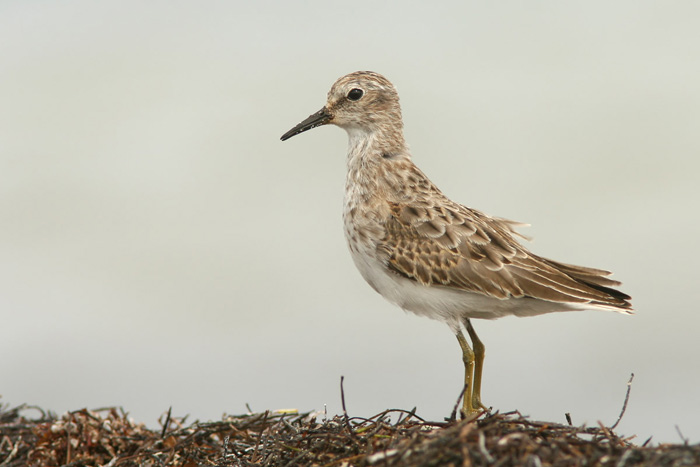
(455, 246)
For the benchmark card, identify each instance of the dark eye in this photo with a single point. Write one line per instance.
(355, 94)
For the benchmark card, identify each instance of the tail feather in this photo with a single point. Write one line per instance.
(597, 279)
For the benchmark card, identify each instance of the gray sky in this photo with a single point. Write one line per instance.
(160, 246)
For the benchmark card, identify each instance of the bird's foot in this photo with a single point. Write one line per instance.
(478, 406)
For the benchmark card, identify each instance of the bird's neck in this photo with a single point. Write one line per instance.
(371, 156)
(368, 148)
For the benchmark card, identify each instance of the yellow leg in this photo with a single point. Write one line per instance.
(468, 408)
(479, 353)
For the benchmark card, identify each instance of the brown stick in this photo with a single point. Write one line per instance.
(624, 405)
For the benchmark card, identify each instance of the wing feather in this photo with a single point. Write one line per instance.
(455, 246)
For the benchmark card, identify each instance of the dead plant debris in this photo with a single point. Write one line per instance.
(108, 437)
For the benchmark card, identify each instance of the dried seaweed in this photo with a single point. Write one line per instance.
(107, 437)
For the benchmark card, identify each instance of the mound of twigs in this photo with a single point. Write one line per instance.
(107, 437)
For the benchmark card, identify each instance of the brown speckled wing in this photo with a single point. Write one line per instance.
(455, 246)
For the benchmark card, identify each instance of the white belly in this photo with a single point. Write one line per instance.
(444, 303)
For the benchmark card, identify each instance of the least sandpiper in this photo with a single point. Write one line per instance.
(430, 255)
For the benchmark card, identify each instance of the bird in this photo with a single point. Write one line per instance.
(433, 256)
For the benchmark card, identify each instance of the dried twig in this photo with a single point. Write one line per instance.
(680, 433)
(453, 415)
(167, 422)
(624, 405)
(345, 412)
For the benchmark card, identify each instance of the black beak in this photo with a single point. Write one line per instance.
(321, 117)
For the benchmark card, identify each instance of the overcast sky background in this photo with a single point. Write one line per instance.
(160, 246)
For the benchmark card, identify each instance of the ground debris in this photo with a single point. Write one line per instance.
(108, 437)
